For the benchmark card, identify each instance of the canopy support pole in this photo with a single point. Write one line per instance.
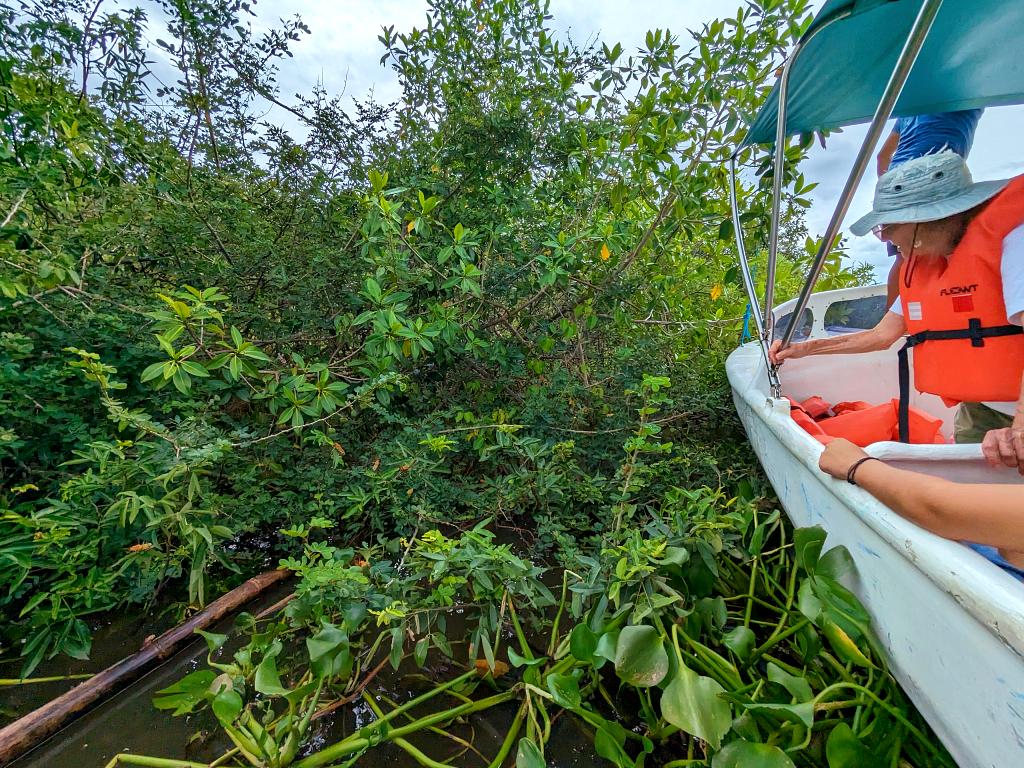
(778, 168)
(904, 64)
(764, 320)
(741, 249)
(748, 278)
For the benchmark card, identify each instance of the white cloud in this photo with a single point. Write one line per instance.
(342, 50)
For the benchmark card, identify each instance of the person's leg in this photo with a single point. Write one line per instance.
(974, 420)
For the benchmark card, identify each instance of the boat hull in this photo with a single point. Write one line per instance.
(951, 622)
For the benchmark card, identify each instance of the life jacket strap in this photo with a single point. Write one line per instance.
(974, 331)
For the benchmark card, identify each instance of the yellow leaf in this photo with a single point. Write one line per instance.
(844, 645)
(716, 292)
(605, 253)
(409, 228)
(482, 668)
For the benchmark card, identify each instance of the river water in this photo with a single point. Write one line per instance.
(128, 722)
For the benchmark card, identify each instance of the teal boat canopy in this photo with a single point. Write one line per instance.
(970, 59)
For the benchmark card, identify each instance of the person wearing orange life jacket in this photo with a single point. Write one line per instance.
(961, 297)
(922, 135)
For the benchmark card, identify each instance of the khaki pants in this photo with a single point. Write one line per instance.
(973, 420)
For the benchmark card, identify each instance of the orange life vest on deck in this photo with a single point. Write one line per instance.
(862, 423)
(965, 348)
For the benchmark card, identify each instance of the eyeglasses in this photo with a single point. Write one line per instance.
(881, 232)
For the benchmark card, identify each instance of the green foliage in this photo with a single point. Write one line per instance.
(787, 700)
(410, 357)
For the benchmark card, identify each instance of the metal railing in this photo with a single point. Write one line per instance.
(901, 71)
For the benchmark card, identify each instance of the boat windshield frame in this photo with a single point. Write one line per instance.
(764, 317)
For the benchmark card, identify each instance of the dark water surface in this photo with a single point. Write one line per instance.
(128, 722)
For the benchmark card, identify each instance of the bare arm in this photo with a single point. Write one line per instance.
(886, 152)
(986, 514)
(893, 282)
(890, 328)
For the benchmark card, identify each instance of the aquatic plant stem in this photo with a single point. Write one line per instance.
(420, 757)
(896, 714)
(417, 701)
(750, 591)
(368, 736)
(776, 638)
(510, 738)
(710, 661)
(524, 646)
(443, 733)
(33, 680)
(225, 757)
(552, 645)
(152, 762)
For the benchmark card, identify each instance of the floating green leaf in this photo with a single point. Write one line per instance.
(640, 656)
(836, 564)
(740, 641)
(528, 755)
(185, 694)
(607, 645)
(746, 754)
(798, 687)
(610, 746)
(843, 644)
(692, 703)
(268, 681)
(517, 661)
(565, 690)
(213, 641)
(844, 750)
(583, 643)
(808, 543)
(227, 705)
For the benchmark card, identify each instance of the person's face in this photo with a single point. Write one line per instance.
(900, 235)
(929, 238)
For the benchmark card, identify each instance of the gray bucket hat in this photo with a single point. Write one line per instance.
(926, 188)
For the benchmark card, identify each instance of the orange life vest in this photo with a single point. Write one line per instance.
(862, 423)
(958, 301)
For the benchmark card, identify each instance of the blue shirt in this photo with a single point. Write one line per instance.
(991, 553)
(925, 134)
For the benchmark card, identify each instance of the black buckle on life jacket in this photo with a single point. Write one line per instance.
(974, 328)
(974, 331)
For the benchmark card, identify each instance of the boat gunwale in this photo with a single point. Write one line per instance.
(992, 597)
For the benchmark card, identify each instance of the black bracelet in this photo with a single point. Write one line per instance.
(855, 466)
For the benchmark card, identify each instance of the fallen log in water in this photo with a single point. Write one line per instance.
(23, 734)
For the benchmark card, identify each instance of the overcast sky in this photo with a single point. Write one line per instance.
(343, 53)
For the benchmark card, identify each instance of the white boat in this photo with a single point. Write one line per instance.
(951, 622)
